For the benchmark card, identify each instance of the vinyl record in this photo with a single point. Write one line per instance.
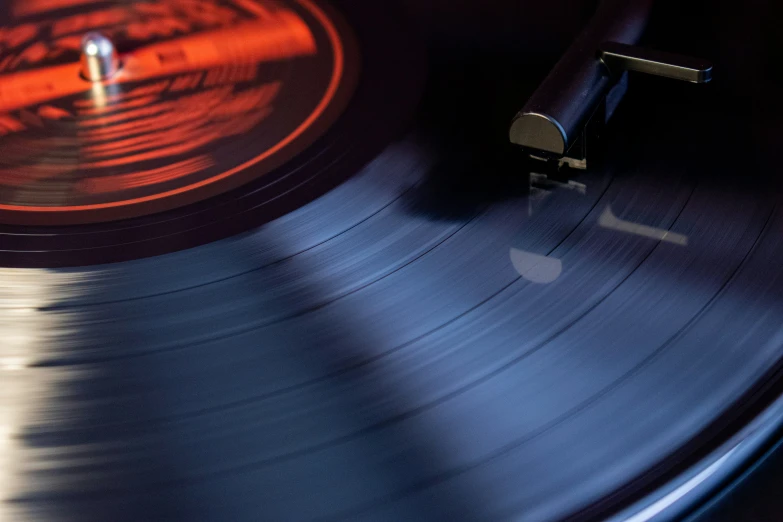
(155, 160)
(440, 335)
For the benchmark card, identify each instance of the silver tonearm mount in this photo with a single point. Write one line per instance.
(563, 118)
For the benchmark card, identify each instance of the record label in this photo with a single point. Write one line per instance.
(209, 95)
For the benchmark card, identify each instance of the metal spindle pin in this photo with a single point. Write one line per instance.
(99, 57)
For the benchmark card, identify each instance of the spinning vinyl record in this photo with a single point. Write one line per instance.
(230, 119)
(390, 316)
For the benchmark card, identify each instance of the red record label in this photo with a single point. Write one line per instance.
(210, 95)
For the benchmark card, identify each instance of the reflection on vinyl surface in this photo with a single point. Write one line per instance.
(384, 365)
(609, 220)
(373, 355)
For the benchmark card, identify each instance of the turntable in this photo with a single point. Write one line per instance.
(348, 260)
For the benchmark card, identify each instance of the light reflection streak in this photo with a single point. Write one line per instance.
(535, 267)
(610, 221)
(101, 93)
(27, 393)
(661, 505)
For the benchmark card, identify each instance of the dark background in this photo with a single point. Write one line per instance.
(754, 496)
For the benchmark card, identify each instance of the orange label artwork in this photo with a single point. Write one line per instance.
(206, 90)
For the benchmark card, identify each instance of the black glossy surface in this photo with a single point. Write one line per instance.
(431, 340)
(755, 495)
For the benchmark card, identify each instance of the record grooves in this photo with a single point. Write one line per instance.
(408, 318)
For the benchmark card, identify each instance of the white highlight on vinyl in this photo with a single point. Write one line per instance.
(609, 220)
(661, 505)
(535, 267)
